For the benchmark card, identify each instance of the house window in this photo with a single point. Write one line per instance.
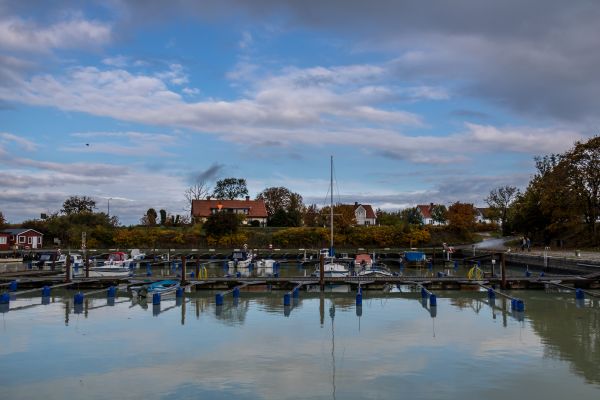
(21, 239)
(2, 239)
(28, 239)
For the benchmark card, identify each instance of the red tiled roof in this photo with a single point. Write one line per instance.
(425, 210)
(368, 209)
(203, 208)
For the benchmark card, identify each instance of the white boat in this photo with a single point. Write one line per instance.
(366, 267)
(332, 269)
(240, 259)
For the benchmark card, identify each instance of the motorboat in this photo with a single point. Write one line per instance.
(240, 259)
(164, 288)
(364, 266)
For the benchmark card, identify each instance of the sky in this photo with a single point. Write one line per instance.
(418, 102)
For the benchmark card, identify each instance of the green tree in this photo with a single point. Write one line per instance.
(163, 217)
(76, 205)
(439, 213)
(412, 216)
(389, 218)
(284, 207)
(311, 216)
(499, 200)
(230, 189)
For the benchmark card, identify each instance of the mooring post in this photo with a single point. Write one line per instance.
(197, 273)
(322, 273)
(68, 268)
(87, 265)
(183, 270)
(503, 270)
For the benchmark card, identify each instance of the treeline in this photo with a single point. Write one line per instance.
(561, 202)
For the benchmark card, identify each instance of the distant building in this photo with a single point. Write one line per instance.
(23, 238)
(253, 210)
(364, 214)
(484, 215)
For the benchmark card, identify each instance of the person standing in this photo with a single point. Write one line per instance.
(528, 243)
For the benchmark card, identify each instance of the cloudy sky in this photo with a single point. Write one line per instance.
(428, 101)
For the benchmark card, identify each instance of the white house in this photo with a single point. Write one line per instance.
(364, 214)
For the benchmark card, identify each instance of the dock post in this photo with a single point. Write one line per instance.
(68, 275)
(111, 292)
(219, 299)
(579, 294)
(236, 292)
(197, 273)
(5, 298)
(78, 298)
(87, 265)
(503, 270)
(12, 286)
(358, 299)
(179, 292)
(432, 300)
(322, 272)
(491, 293)
(183, 270)
(156, 299)
(46, 291)
(296, 293)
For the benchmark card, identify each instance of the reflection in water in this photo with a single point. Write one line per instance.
(249, 350)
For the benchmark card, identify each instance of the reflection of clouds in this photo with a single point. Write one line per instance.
(122, 352)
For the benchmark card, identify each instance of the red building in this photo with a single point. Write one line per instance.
(253, 210)
(23, 238)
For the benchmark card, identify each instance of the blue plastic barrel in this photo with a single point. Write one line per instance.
(156, 299)
(46, 291)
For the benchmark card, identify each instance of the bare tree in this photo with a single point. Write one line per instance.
(198, 191)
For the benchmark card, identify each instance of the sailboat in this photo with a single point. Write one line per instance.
(332, 269)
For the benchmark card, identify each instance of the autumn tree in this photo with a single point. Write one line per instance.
(461, 217)
(76, 205)
(2, 220)
(311, 216)
(230, 189)
(149, 218)
(499, 200)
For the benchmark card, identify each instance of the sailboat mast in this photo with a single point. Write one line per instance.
(331, 208)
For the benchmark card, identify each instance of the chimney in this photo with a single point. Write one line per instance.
(207, 197)
(355, 203)
(247, 198)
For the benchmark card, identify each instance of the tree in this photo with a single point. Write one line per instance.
(197, 191)
(311, 216)
(2, 220)
(389, 218)
(150, 217)
(412, 216)
(500, 199)
(221, 223)
(163, 217)
(230, 189)
(284, 207)
(76, 205)
(439, 213)
(461, 217)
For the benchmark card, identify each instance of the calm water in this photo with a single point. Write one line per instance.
(319, 349)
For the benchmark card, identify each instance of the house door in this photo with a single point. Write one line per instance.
(34, 242)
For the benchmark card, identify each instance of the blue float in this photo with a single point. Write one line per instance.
(579, 294)
(423, 292)
(12, 286)
(111, 292)
(432, 301)
(156, 299)
(219, 299)
(359, 299)
(520, 306)
(236, 292)
(46, 291)
(179, 292)
(286, 299)
(513, 304)
(78, 298)
(296, 293)
(5, 298)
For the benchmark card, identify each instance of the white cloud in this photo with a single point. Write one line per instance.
(25, 144)
(24, 35)
(246, 40)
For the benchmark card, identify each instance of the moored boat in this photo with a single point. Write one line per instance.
(164, 288)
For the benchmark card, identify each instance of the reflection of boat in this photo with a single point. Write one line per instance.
(166, 287)
(265, 267)
(331, 269)
(375, 270)
(330, 288)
